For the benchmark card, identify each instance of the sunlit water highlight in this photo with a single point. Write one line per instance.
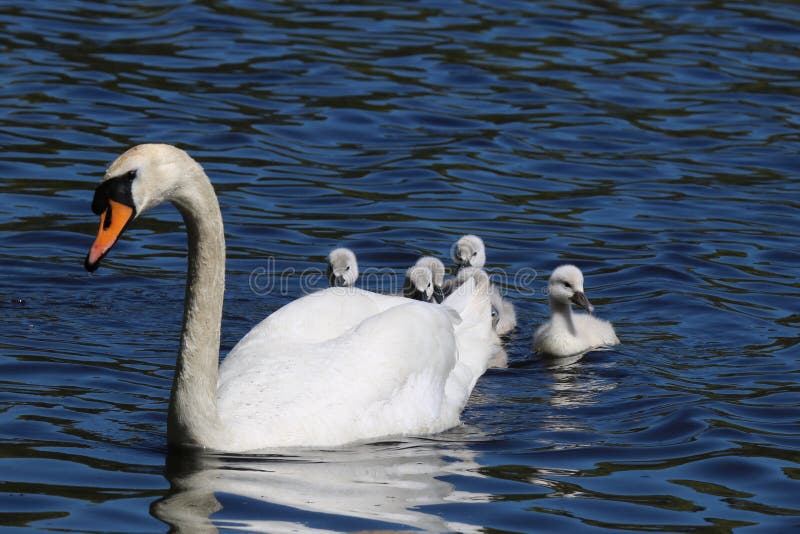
(654, 144)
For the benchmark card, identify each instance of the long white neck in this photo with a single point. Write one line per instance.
(193, 419)
(561, 316)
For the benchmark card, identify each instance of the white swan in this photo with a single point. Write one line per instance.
(436, 267)
(470, 252)
(333, 367)
(418, 283)
(342, 267)
(567, 334)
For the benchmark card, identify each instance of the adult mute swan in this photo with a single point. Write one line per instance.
(342, 267)
(333, 367)
(567, 334)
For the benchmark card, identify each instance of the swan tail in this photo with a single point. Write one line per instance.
(471, 299)
(476, 340)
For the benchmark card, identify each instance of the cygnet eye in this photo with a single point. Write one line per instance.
(567, 285)
(474, 253)
(429, 284)
(347, 268)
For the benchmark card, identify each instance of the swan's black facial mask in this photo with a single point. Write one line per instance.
(113, 201)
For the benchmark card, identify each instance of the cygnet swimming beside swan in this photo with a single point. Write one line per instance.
(566, 333)
(470, 252)
(342, 268)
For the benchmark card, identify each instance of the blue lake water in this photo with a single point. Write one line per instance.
(654, 144)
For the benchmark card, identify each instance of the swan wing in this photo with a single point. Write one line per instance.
(315, 317)
(385, 376)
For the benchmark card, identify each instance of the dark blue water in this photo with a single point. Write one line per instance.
(654, 144)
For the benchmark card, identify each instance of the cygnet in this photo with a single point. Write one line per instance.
(437, 272)
(469, 252)
(567, 334)
(342, 268)
(418, 283)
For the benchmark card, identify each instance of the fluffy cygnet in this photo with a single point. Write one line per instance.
(342, 268)
(567, 334)
(437, 272)
(469, 252)
(418, 283)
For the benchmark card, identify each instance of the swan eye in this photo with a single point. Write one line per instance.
(567, 285)
(347, 268)
(474, 253)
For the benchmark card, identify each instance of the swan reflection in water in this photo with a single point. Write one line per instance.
(573, 385)
(366, 487)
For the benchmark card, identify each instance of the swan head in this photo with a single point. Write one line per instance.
(141, 178)
(342, 268)
(566, 286)
(437, 273)
(470, 252)
(418, 283)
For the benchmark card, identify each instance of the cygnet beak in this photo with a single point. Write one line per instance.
(579, 299)
(438, 294)
(339, 281)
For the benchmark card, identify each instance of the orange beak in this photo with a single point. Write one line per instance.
(112, 223)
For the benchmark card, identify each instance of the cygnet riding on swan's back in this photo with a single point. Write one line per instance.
(418, 283)
(436, 267)
(568, 334)
(470, 252)
(342, 268)
(333, 367)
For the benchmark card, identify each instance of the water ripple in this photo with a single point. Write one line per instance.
(652, 143)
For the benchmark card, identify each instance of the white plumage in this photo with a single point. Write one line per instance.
(342, 267)
(334, 367)
(418, 283)
(344, 364)
(567, 333)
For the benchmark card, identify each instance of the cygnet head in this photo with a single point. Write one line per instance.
(342, 268)
(566, 286)
(437, 273)
(418, 284)
(470, 252)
